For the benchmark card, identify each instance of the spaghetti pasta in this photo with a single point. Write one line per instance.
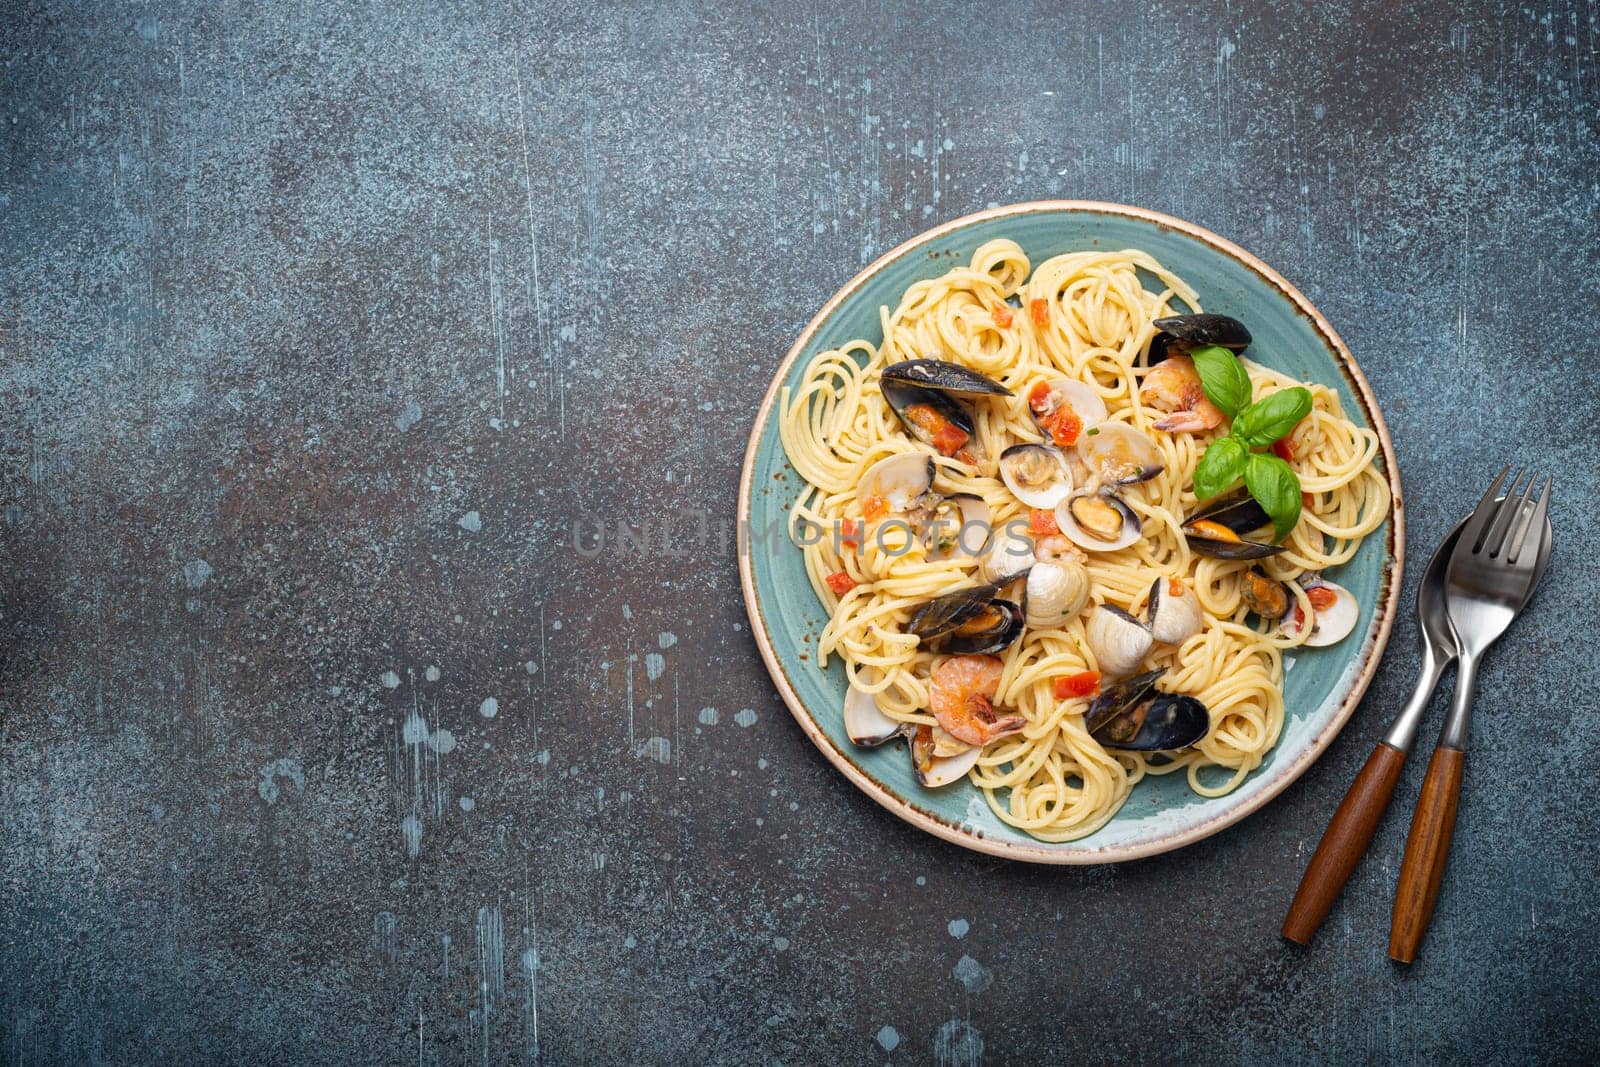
(1085, 316)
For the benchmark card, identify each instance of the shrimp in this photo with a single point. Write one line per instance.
(1173, 386)
(1057, 549)
(961, 698)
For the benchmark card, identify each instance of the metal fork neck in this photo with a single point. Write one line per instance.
(1403, 734)
(1460, 719)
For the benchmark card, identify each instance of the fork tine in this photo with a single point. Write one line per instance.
(1508, 510)
(1481, 514)
(1531, 521)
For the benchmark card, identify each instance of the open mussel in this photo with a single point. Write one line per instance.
(1180, 334)
(944, 376)
(972, 621)
(1134, 715)
(933, 418)
(1217, 529)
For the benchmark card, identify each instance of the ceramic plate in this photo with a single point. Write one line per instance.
(1322, 689)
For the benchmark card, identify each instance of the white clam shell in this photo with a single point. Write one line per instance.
(1009, 557)
(1118, 641)
(1087, 404)
(1173, 619)
(1055, 592)
(949, 769)
(864, 723)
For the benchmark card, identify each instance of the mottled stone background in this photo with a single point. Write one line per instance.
(320, 323)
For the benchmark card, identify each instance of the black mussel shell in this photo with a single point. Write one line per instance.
(1179, 333)
(1116, 699)
(1162, 722)
(903, 396)
(991, 630)
(943, 614)
(945, 376)
(1241, 515)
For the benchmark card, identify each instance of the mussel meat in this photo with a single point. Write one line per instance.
(1179, 334)
(1099, 522)
(944, 376)
(1216, 530)
(934, 418)
(1118, 454)
(1174, 611)
(1134, 715)
(1265, 595)
(1037, 475)
(969, 621)
(1054, 593)
(1118, 641)
(1063, 409)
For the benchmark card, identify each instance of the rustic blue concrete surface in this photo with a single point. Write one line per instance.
(321, 323)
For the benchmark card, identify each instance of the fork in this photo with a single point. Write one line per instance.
(1493, 571)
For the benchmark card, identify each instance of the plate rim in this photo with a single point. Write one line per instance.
(1043, 852)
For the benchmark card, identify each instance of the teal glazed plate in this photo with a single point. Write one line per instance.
(1322, 689)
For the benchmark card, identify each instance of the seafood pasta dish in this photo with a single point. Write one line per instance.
(1069, 533)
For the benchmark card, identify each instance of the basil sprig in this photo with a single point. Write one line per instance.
(1228, 459)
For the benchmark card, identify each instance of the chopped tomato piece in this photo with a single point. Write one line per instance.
(850, 533)
(1077, 685)
(874, 508)
(1307, 500)
(840, 582)
(1039, 312)
(1039, 396)
(950, 438)
(1174, 587)
(1002, 315)
(1065, 426)
(1283, 448)
(1322, 598)
(1042, 521)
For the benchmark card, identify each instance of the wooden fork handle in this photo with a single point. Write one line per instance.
(1343, 842)
(1426, 850)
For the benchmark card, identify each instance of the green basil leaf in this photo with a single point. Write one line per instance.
(1275, 487)
(1223, 377)
(1221, 465)
(1272, 416)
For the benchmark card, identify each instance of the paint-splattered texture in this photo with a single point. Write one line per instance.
(325, 736)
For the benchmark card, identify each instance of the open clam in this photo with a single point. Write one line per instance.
(1335, 612)
(1179, 334)
(938, 760)
(902, 481)
(865, 724)
(1063, 409)
(957, 525)
(1037, 475)
(1134, 715)
(1099, 522)
(1117, 454)
(1217, 529)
